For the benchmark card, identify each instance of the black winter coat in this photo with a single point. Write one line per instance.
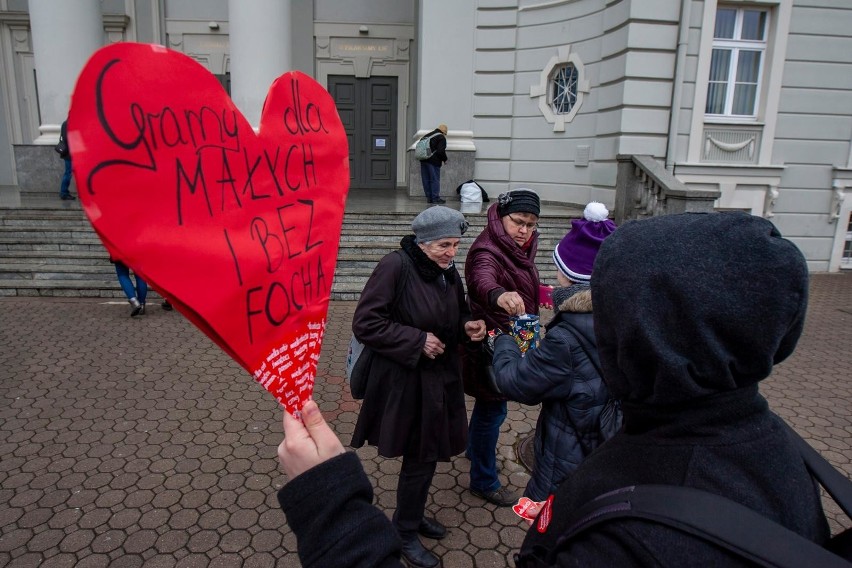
(729, 444)
(560, 376)
(414, 406)
(330, 509)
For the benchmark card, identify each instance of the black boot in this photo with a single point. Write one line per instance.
(415, 554)
(431, 528)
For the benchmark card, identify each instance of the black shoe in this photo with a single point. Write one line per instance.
(136, 307)
(67, 197)
(142, 310)
(502, 497)
(416, 555)
(431, 528)
(166, 306)
(439, 200)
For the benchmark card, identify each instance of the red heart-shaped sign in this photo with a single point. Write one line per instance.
(239, 230)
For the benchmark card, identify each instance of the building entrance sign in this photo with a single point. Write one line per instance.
(239, 230)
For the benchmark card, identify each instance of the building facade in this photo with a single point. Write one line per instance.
(753, 98)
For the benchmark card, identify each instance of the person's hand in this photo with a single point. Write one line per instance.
(433, 346)
(475, 330)
(307, 443)
(512, 303)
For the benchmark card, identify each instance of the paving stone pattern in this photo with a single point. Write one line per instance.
(137, 442)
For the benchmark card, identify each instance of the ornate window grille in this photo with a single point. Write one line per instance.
(563, 89)
(562, 84)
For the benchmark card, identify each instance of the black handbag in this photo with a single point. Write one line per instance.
(61, 148)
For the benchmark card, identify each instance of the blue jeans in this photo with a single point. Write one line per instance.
(66, 179)
(141, 290)
(431, 176)
(484, 429)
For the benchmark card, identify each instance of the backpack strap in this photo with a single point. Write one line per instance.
(402, 280)
(835, 483)
(708, 516)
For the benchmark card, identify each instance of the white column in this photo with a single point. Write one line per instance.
(260, 39)
(445, 70)
(65, 34)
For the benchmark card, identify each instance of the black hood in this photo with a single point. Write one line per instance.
(692, 305)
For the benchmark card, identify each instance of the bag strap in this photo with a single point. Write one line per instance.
(711, 517)
(835, 483)
(402, 280)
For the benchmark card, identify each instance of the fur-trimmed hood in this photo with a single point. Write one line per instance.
(576, 299)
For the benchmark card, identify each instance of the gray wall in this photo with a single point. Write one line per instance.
(814, 124)
(625, 111)
(195, 10)
(367, 11)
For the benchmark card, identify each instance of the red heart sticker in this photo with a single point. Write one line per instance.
(239, 230)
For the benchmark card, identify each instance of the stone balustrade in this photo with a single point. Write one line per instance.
(645, 189)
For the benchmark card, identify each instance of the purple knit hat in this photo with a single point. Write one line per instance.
(575, 254)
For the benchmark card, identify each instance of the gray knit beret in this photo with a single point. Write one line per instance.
(439, 223)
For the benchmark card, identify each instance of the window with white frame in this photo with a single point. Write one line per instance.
(739, 48)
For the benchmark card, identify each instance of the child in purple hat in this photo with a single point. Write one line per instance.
(563, 373)
(575, 254)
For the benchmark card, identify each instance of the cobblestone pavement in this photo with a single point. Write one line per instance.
(137, 442)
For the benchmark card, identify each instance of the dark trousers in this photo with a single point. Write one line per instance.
(66, 179)
(415, 478)
(484, 430)
(430, 174)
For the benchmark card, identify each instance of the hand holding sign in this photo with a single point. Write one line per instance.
(238, 230)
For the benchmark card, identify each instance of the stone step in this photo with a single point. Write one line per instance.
(55, 252)
(93, 288)
(82, 258)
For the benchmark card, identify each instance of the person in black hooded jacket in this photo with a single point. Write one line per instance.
(691, 313)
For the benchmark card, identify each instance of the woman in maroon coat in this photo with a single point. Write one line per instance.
(502, 281)
(414, 403)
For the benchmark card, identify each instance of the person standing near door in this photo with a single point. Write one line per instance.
(65, 153)
(430, 168)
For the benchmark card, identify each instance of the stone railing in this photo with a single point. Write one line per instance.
(644, 189)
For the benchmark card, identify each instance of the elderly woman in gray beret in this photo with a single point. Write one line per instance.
(413, 315)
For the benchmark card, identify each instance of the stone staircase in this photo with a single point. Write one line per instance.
(55, 252)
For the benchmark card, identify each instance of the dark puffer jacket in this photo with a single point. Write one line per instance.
(496, 264)
(691, 312)
(561, 377)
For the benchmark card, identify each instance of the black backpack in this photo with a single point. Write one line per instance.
(731, 526)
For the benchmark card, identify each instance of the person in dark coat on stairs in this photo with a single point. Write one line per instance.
(414, 403)
(430, 168)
